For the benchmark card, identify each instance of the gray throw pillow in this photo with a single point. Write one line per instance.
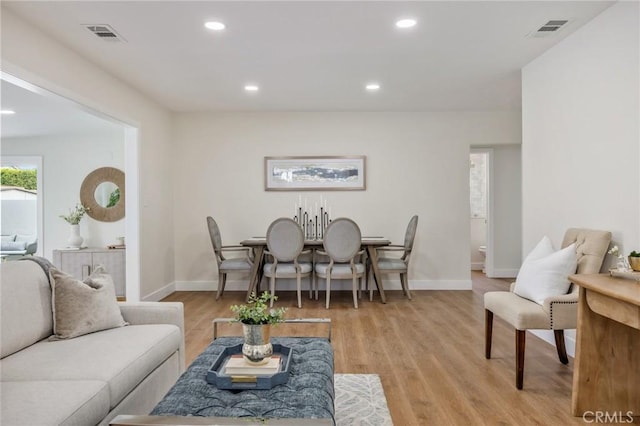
(82, 307)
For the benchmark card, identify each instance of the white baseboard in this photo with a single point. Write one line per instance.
(477, 266)
(160, 293)
(569, 340)
(503, 273)
(290, 285)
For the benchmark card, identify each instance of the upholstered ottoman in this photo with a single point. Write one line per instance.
(307, 394)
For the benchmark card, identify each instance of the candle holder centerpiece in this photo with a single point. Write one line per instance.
(313, 221)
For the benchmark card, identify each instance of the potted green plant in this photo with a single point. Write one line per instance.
(73, 218)
(256, 318)
(634, 260)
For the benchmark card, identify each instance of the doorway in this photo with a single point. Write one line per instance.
(21, 199)
(480, 208)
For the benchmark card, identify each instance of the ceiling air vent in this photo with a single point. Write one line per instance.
(104, 32)
(549, 28)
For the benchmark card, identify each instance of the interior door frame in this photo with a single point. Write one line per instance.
(488, 262)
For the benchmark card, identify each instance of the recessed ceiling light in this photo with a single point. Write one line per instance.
(7, 112)
(406, 23)
(372, 87)
(251, 88)
(215, 26)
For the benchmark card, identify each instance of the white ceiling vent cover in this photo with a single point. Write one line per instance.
(549, 28)
(104, 32)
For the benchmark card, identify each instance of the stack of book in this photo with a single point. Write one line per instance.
(236, 365)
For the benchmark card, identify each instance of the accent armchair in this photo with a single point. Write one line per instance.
(225, 264)
(556, 313)
(398, 265)
(285, 242)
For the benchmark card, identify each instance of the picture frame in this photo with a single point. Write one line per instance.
(324, 173)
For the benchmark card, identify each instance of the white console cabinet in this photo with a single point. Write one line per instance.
(81, 263)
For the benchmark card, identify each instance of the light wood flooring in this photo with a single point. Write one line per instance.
(429, 353)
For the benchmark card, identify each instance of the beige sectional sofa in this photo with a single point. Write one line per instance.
(86, 380)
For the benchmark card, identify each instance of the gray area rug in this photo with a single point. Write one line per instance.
(360, 401)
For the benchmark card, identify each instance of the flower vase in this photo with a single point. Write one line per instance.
(75, 240)
(257, 348)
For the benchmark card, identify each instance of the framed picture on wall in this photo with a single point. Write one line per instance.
(331, 173)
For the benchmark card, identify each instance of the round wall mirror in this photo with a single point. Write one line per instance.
(102, 192)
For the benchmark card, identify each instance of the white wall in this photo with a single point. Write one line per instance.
(581, 137)
(31, 55)
(417, 163)
(66, 161)
(19, 217)
(507, 211)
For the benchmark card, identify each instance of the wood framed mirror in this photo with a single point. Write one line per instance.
(102, 192)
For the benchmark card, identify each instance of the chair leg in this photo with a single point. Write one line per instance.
(405, 285)
(328, 290)
(354, 286)
(220, 285)
(272, 287)
(562, 350)
(520, 344)
(299, 292)
(488, 332)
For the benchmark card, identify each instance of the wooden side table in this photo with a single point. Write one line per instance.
(606, 376)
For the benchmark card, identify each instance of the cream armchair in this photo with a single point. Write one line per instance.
(557, 313)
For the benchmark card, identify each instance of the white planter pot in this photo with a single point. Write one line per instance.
(75, 240)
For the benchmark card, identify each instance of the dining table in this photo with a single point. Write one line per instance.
(259, 244)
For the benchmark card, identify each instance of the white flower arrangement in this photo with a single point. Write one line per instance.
(623, 263)
(75, 215)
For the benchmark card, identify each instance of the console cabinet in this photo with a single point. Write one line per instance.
(81, 263)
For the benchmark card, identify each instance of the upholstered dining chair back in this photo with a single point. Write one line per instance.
(591, 248)
(285, 239)
(216, 238)
(410, 234)
(342, 239)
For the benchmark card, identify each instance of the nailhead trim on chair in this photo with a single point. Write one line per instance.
(551, 310)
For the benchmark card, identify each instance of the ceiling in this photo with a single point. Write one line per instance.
(314, 55)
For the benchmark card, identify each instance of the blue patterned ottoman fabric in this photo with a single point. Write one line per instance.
(307, 394)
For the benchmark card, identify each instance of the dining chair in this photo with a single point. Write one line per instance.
(398, 265)
(227, 264)
(556, 313)
(285, 243)
(342, 244)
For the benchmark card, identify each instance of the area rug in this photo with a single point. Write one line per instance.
(360, 401)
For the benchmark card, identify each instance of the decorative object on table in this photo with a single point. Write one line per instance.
(337, 173)
(623, 264)
(103, 192)
(630, 275)
(256, 318)
(314, 222)
(73, 218)
(250, 376)
(634, 261)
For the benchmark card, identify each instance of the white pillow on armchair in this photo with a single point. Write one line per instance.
(544, 272)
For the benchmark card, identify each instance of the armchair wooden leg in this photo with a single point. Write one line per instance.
(405, 285)
(488, 332)
(272, 287)
(328, 290)
(520, 344)
(299, 291)
(355, 286)
(220, 285)
(562, 350)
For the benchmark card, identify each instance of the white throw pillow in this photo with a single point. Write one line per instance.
(544, 273)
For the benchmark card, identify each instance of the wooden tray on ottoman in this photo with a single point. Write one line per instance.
(223, 381)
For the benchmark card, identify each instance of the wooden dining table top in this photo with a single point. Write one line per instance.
(366, 241)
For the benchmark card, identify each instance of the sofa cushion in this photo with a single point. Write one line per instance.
(4, 238)
(68, 402)
(81, 307)
(25, 317)
(13, 245)
(122, 357)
